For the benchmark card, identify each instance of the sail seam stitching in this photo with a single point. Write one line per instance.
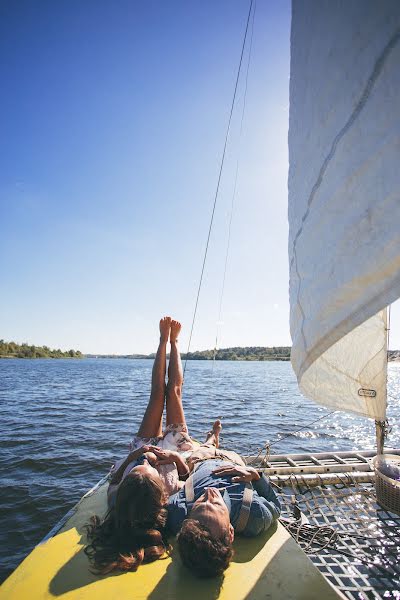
(376, 71)
(307, 362)
(373, 358)
(369, 408)
(357, 110)
(335, 368)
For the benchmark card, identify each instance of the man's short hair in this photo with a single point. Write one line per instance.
(202, 553)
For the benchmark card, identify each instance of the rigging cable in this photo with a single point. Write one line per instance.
(218, 182)
(234, 188)
(267, 445)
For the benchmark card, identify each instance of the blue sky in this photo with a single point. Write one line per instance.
(113, 117)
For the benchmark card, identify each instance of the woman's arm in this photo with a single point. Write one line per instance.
(168, 457)
(183, 469)
(117, 476)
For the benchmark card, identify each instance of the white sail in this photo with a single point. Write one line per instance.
(344, 197)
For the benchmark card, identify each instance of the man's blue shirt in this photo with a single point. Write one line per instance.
(264, 510)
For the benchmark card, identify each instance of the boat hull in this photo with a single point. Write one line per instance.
(270, 566)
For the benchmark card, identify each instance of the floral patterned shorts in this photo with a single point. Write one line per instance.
(175, 437)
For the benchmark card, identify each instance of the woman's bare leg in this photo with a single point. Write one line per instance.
(152, 420)
(175, 412)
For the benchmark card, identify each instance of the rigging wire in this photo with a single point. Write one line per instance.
(234, 187)
(219, 180)
(267, 446)
(301, 428)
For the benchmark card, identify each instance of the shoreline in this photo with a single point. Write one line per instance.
(236, 354)
(394, 359)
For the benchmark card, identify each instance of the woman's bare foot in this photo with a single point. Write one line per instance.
(216, 430)
(165, 326)
(175, 331)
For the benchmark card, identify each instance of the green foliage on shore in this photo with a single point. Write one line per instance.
(13, 350)
(239, 353)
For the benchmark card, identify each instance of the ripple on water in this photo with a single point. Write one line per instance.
(64, 422)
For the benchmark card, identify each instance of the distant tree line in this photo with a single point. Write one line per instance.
(13, 350)
(239, 353)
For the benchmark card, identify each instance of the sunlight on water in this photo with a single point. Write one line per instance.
(64, 422)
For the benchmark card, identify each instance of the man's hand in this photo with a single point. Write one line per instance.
(240, 474)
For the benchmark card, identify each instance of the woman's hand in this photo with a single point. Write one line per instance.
(169, 457)
(135, 454)
(164, 457)
(240, 474)
(117, 475)
(151, 458)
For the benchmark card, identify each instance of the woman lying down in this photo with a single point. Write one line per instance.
(170, 484)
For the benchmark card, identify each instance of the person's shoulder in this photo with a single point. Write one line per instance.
(177, 511)
(177, 498)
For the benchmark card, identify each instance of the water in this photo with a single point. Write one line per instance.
(63, 422)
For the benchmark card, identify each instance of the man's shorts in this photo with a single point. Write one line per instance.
(208, 451)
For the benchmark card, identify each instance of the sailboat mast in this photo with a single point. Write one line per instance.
(380, 436)
(380, 426)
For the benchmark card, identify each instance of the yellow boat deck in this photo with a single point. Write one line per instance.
(271, 566)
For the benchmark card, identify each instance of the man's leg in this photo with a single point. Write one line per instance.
(175, 412)
(213, 435)
(152, 420)
(207, 450)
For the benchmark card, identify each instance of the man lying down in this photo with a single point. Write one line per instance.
(222, 496)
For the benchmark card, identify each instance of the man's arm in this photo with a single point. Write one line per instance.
(264, 489)
(239, 474)
(265, 508)
(183, 469)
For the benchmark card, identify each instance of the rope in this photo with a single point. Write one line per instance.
(315, 538)
(218, 183)
(307, 536)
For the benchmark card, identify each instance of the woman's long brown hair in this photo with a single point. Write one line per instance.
(133, 532)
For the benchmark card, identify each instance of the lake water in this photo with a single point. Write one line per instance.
(63, 423)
